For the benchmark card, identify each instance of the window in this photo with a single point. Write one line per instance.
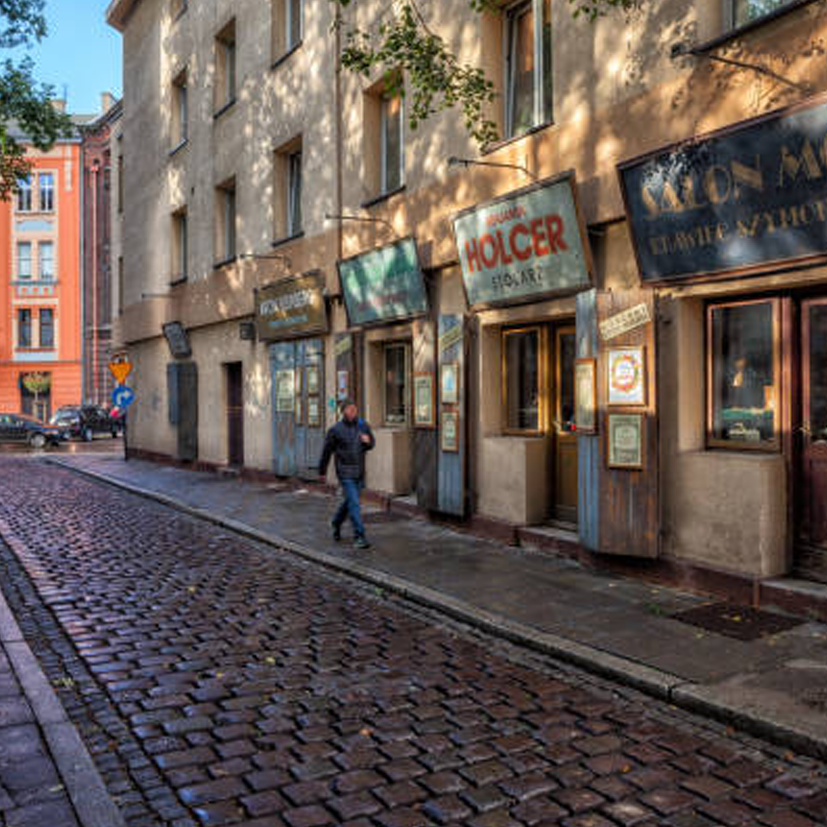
(397, 385)
(287, 26)
(120, 286)
(180, 246)
(523, 380)
(47, 260)
(24, 259)
(24, 328)
(177, 8)
(24, 194)
(528, 81)
(120, 182)
(287, 190)
(47, 191)
(180, 110)
(294, 193)
(743, 374)
(47, 328)
(225, 221)
(393, 148)
(745, 11)
(225, 66)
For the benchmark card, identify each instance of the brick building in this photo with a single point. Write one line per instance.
(40, 271)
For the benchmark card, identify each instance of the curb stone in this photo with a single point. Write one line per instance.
(84, 785)
(687, 695)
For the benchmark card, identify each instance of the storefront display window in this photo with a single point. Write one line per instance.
(743, 376)
(522, 379)
(397, 388)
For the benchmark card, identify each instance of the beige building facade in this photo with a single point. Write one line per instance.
(566, 338)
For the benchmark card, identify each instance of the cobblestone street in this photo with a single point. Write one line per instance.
(218, 681)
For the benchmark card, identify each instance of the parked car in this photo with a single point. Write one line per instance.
(26, 430)
(86, 421)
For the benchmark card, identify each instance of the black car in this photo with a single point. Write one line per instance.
(26, 430)
(86, 421)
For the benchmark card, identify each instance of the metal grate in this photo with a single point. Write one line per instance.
(740, 622)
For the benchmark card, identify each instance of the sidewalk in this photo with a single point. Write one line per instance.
(46, 774)
(774, 686)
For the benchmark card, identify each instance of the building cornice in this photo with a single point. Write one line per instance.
(118, 12)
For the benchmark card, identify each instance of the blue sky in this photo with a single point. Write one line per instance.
(80, 51)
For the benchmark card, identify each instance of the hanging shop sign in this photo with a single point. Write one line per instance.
(744, 199)
(384, 285)
(291, 307)
(178, 340)
(526, 245)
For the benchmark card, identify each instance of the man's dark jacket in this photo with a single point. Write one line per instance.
(344, 441)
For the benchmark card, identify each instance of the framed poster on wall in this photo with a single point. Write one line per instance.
(424, 402)
(626, 369)
(625, 441)
(314, 412)
(585, 395)
(449, 437)
(449, 383)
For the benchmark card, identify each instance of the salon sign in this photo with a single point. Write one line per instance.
(524, 246)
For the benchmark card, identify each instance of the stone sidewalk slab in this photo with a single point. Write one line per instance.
(619, 628)
(47, 776)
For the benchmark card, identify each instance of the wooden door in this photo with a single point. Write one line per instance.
(283, 373)
(813, 471)
(564, 451)
(309, 410)
(235, 414)
(187, 415)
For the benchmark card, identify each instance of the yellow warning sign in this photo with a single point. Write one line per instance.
(120, 367)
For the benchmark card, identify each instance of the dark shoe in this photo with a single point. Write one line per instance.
(361, 542)
(337, 532)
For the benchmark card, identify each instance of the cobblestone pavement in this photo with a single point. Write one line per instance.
(31, 792)
(217, 681)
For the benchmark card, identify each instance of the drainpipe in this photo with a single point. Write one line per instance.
(95, 379)
(339, 148)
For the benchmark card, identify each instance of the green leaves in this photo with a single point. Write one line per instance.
(592, 9)
(23, 101)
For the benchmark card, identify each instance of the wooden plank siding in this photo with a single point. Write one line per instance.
(588, 445)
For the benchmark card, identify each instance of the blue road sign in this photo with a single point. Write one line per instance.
(123, 397)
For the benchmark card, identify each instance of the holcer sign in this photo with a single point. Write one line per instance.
(291, 307)
(743, 199)
(523, 246)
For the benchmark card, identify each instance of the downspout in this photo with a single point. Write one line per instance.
(82, 234)
(95, 382)
(339, 132)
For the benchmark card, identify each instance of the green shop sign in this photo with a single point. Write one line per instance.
(524, 246)
(383, 285)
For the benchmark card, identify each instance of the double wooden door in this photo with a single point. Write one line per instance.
(813, 454)
(564, 452)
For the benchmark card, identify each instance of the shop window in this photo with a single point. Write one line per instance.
(397, 357)
(742, 12)
(46, 251)
(24, 259)
(528, 67)
(47, 328)
(523, 380)
(743, 375)
(225, 222)
(24, 328)
(287, 26)
(225, 67)
(46, 182)
(180, 110)
(287, 190)
(180, 245)
(24, 194)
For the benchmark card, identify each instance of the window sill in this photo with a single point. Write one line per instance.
(224, 262)
(178, 280)
(181, 12)
(746, 28)
(278, 242)
(514, 138)
(225, 108)
(371, 202)
(178, 147)
(284, 57)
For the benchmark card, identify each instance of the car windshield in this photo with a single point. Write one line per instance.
(65, 415)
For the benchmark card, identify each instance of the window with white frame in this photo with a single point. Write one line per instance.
(46, 265)
(742, 12)
(225, 67)
(393, 143)
(24, 259)
(528, 69)
(47, 328)
(24, 194)
(46, 194)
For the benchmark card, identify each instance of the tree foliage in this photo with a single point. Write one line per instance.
(403, 47)
(24, 101)
(37, 383)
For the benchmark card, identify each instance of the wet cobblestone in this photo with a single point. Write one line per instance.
(216, 681)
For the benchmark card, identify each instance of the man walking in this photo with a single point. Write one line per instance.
(349, 439)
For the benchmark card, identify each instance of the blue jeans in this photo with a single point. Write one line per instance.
(350, 506)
